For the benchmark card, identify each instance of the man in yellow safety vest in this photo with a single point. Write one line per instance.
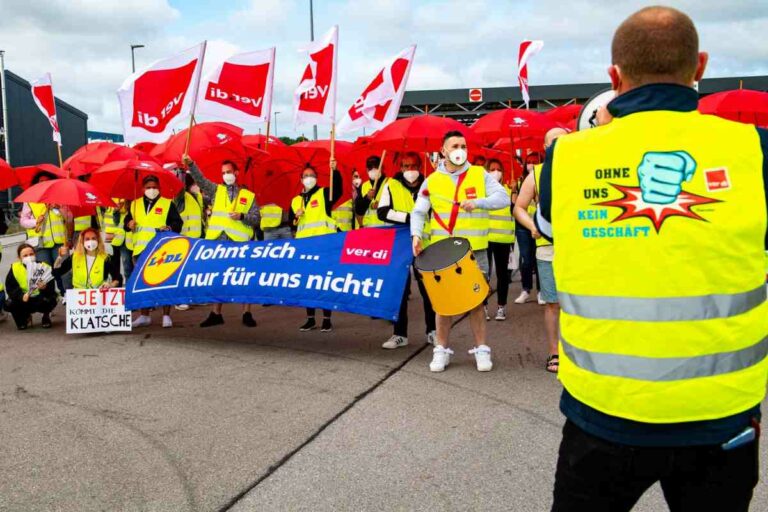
(367, 203)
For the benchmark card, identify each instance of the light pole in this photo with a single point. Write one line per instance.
(4, 101)
(133, 57)
(312, 38)
(276, 123)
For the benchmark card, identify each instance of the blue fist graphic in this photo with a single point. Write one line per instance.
(662, 173)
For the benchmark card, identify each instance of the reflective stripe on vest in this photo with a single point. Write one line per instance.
(82, 223)
(501, 223)
(220, 222)
(314, 221)
(343, 215)
(81, 278)
(271, 216)
(116, 230)
(52, 231)
(371, 217)
(664, 324)
(473, 225)
(192, 215)
(147, 223)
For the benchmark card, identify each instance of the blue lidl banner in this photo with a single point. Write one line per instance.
(361, 271)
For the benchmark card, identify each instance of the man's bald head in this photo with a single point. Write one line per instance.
(552, 134)
(657, 44)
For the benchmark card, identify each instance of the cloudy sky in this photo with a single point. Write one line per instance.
(85, 43)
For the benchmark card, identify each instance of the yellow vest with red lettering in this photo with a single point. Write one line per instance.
(443, 193)
(236, 230)
(148, 223)
(314, 221)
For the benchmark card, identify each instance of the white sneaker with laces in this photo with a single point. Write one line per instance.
(395, 342)
(441, 357)
(540, 300)
(181, 307)
(501, 313)
(523, 297)
(483, 358)
(141, 321)
(431, 337)
(487, 316)
(167, 322)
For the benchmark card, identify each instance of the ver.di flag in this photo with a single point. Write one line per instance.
(315, 97)
(240, 89)
(527, 50)
(42, 92)
(153, 99)
(379, 103)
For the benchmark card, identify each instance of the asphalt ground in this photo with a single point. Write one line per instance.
(231, 418)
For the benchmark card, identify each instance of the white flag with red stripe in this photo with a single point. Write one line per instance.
(240, 89)
(527, 50)
(152, 100)
(42, 92)
(315, 98)
(379, 103)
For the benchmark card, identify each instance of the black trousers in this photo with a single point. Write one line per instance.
(21, 310)
(498, 256)
(597, 475)
(527, 246)
(311, 313)
(401, 326)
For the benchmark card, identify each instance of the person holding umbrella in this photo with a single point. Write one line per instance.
(119, 239)
(234, 215)
(367, 202)
(89, 263)
(146, 216)
(311, 214)
(28, 287)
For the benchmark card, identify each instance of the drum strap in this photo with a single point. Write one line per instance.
(454, 209)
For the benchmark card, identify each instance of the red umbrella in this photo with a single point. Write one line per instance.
(92, 156)
(564, 113)
(7, 177)
(419, 133)
(26, 175)
(259, 141)
(65, 192)
(144, 147)
(513, 122)
(123, 178)
(209, 145)
(743, 105)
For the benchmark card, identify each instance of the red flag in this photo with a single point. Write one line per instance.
(153, 99)
(315, 98)
(240, 90)
(379, 103)
(527, 50)
(42, 92)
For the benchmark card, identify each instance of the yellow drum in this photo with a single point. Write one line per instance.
(453, 279)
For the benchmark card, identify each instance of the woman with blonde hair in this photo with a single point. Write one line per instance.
(89, 262)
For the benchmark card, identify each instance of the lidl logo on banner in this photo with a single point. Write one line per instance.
(165, 261)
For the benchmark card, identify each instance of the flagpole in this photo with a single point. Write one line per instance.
(61, 161)
(194, 97)
(333, 155)
(266, 140)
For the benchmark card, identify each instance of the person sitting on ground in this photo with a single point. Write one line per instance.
(89, 263)
(29, 288)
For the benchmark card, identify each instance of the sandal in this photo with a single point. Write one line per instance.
(553, 363)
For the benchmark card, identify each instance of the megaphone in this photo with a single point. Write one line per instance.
(588, 115)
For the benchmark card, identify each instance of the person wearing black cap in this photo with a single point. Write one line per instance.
(367, 203)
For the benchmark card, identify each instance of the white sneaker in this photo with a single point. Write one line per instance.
(431, 337)
(395, 342)
(63, 300)
(142, 321)
(441, 357)
(167, 322)
(501, 313)
(487, 316)
(540, 300)
(523, 298)
(181, 307)
(483, 358)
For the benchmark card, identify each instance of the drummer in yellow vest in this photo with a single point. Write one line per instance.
(311, 214)
(234, 215)
(501, 236)
(146, 216)
(397, 201)
(460, 197)
(663, 330)
(367, 203)
(89, 263)
(545, 253)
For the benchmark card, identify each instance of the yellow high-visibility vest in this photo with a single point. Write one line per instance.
(82, 222)
(443, 193)
(343, 215)
(220, 222)
(81, 277)
(541, 241)
(271, 216)
(53, 230)
(371, 217)
(661, 321)
(20, 274)
(111, 228)
(501, 224)
(192, 215)
(402, 201)
(148, 223)
(314, 221)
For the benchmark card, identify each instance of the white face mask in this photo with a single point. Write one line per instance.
(151, 193)
(230, 178)
(496, 175)
(90, 245)
(373, 174)
(28, 260)
(411, 176)
(56, 211)
(357, 182)
(458, 156)
(309, 182)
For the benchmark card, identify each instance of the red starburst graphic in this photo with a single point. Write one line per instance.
(632, 205)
